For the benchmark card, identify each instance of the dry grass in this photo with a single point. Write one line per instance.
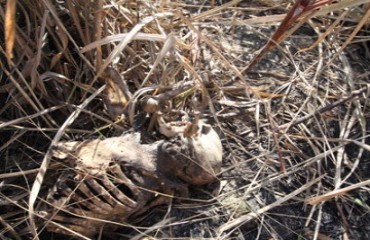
(294, 127)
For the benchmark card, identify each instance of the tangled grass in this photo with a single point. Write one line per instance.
(294, 125)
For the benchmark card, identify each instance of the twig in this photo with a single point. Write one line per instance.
(335, 193)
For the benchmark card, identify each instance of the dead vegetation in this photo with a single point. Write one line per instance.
(292, 118)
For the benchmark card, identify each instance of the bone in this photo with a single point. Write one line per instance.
(111, 180)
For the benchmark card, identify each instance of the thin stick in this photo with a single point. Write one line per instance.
(323, 109)
(248, 217)
(335, 193)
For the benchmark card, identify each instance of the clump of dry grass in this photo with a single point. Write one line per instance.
(294, 126)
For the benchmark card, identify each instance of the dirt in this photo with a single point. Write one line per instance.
(261, 163)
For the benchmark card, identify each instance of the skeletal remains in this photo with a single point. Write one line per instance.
(107, 181)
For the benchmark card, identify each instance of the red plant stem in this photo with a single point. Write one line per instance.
(299, 8)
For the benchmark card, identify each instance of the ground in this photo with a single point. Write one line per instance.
(293, 128)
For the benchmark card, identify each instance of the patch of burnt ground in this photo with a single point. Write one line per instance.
(294, 128)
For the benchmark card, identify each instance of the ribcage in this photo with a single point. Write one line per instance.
(105, 182)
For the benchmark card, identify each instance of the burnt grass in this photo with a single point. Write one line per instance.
(263, 161)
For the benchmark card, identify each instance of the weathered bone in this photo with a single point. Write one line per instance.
(116, 178)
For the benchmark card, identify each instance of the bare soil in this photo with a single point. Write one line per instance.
(296, 127)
